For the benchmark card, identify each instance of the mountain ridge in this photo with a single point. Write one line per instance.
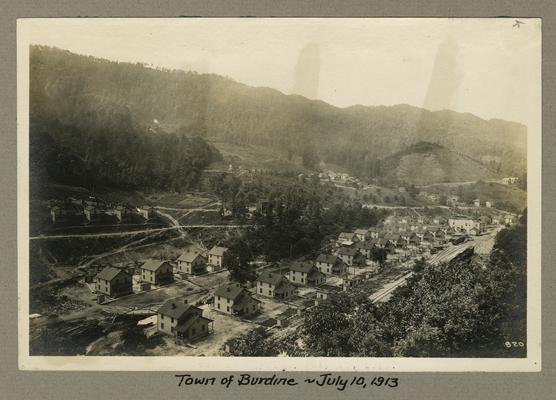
(219, 108)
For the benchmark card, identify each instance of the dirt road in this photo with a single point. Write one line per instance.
(130, 233)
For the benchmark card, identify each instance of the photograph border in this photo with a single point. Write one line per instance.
(531, 363)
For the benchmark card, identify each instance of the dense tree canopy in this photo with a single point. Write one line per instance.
(296, 223)
(111, 151)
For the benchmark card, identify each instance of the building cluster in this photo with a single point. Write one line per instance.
(349, 262)
(453, 200)
(116, 282)
(177, 318)
(95, 210)
(339, 177)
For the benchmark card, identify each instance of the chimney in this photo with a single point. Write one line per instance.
(173, 306)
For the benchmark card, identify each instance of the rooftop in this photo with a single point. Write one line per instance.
(348, 251)
(109, 273)
(244, 300)
(152, 265)
(229, 291)
(304, 266)
(270, 277)
(185, 324)
(190, 255)
(365, 245)
(218, 251)
(175, 309)
(327, 258)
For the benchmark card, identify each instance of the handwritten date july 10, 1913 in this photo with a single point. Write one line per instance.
(323, 380)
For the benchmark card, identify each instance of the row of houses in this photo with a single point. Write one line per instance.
(194, 261)
(185, 321)
(93, 210)
(353, 249)
(348, 242)
(117, 282)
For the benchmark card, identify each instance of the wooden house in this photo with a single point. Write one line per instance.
(157, 272)
(350, 256)
(215, 257)
(275, 285)
(366, 248)
(361, 234)
(147, 212)
(305, 273)
(233, 299)
(373, 233)
(347, 238)
(183, 321)
(192, 262)
(330, 264)
(114, 282)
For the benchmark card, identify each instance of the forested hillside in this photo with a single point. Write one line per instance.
(80, 91)
(79, 139)
(124, 158)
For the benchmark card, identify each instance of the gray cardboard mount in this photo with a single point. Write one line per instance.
(15, 384)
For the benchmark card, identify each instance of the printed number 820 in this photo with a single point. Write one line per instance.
(514, 344)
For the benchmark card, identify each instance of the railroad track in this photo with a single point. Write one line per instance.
(386, 292)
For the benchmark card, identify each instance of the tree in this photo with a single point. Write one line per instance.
(379, 255)
(419, 265)
(366, 334)
(255, 343)
(132, 338)
(327, 327)
(239, 206)
(423, 341)
(237, 261)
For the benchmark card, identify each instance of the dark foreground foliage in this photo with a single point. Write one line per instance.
(460, 309)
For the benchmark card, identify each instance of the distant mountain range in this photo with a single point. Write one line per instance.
(80, 91)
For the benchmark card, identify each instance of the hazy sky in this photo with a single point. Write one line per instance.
(484, 66)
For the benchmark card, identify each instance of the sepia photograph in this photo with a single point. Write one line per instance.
(294, 194)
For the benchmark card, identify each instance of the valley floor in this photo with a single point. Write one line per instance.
(68, 319)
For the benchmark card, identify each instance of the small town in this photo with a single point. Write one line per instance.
(180, 213)
(188, 304)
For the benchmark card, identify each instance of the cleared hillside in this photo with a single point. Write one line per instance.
(426, 163)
